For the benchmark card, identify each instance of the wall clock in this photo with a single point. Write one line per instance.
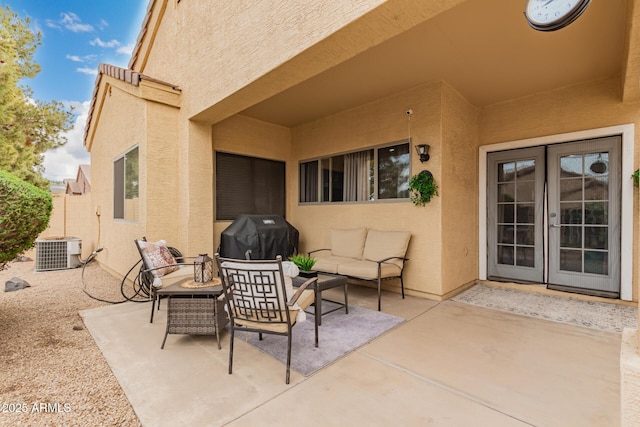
(551, 15)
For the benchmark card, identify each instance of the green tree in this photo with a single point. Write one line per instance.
(28, 127)
(25, 211)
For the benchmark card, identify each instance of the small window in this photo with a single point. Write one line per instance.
(352, 177)
(249, 185)
(126, 186)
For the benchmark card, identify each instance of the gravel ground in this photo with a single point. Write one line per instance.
(51, 371)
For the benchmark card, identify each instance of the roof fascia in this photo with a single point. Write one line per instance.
(148, 32)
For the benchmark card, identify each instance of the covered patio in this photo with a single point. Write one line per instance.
(449, 363)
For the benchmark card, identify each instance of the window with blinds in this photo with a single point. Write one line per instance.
(249, 185)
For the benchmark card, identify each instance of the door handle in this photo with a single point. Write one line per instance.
(555, 225)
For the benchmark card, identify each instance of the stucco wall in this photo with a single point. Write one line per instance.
(587, 106)
(246, 136)
(369, 125)
(459, 190)
(122, 126)
(71, 217)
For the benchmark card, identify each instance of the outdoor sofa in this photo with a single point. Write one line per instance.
(364, 254)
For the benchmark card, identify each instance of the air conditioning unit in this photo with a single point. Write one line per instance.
(58, 253)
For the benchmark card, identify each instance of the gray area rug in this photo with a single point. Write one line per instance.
(338, 335)
(609, 317)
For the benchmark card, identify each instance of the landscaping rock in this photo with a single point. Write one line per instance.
(15, 284)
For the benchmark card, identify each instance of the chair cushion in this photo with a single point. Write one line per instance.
(329, 264)
(368, 270)
(182, 272)
(156, 254)
(384, 244)
(348, 243)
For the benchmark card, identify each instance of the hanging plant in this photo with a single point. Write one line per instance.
(423, 187)
(636, 178)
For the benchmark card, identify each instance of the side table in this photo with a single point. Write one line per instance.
(194, 311)
(326, 281)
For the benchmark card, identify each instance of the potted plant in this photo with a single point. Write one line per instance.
(305, 264)
(423, 187)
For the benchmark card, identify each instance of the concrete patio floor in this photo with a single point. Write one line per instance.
(449, 364)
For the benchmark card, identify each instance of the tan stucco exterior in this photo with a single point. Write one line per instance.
(293, 81)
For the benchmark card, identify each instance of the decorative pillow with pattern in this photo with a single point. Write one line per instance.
(156, 255)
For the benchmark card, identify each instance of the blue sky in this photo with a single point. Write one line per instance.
(77, 35)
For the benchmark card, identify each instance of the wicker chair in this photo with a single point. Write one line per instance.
(260, 298)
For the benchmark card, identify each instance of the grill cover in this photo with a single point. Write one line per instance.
(264, 236)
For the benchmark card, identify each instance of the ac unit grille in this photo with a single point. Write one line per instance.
(57, 254)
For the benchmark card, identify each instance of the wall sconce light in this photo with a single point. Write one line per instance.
(423, 152)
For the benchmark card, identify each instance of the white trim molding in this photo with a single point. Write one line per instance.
(626, 131)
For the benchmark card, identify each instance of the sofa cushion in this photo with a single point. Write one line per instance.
(329, 264)
(368, 270)
(384, 244)
(348, 243)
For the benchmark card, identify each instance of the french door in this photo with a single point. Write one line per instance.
(553, 215)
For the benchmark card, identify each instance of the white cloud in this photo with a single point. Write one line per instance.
(52, 24)
(85, 58)
(63, 162)
(88, 71)
(103, 24)
(126, 50)
(72, 22)
(98, 42)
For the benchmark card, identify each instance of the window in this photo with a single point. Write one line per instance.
(368, 175)
(125, 186)
(249, 185)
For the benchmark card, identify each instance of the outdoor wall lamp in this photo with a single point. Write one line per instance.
(423, 152)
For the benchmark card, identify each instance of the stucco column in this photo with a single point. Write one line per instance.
(630, 374)
(195, 210)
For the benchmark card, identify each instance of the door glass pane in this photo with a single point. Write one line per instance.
(505, 234)
(596, 164)
(570, 189)
(570, 213)
(571, 237)
(596, 238)
(571, 166)
(596, 262)
(525, 213)
(526, 191)
(525, 256)
(596, 213)
(596, 188)
(506, 192)
(505, 255)
(526, 170)
(506, 213)
(571, 260)
(506, 171)
(525, 235)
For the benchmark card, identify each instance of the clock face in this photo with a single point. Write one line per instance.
(550, 15)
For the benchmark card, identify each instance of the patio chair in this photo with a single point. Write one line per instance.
(260, 298)
(160, 268)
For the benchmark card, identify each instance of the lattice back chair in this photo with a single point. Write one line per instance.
(260, 298)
